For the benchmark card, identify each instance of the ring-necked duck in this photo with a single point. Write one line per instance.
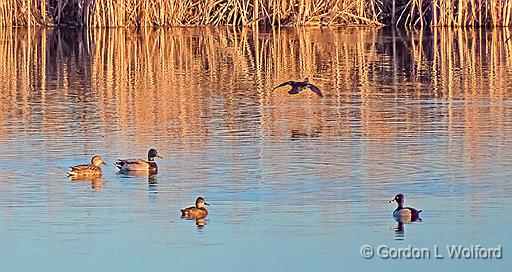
(402, 213)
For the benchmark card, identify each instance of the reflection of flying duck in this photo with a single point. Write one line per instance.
(87, 170)
(197, 212)
(298, 86)
(404, 214)
(298, 134)
(140, 164)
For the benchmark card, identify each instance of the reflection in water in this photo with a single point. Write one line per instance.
(135, 84)
(152, 185)
(151, 179)
(297, 134)
(200, 223)
(399, 231)
(96, 182)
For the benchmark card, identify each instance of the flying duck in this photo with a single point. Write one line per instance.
(298, 86)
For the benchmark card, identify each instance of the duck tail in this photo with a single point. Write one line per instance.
(182, 212)
(71, 173)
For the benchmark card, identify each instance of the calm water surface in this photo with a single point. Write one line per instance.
(295, 183)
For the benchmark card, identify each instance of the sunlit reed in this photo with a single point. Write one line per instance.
(143, 13)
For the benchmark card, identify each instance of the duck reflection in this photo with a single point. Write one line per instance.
(399, 231)
(151, 178)
(298, 134)
(152, 185)
(200, 223)
(96, 182)
(400, 228)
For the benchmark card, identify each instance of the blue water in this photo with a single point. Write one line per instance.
(295, 183)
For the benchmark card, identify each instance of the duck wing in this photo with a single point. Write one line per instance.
(84, 170)
(84, 167)
(132, 164)
(314, 89)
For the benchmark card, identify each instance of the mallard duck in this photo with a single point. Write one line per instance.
(197, 212)
(87, 170)
(404, 214)
(140, 164)
(298, 86)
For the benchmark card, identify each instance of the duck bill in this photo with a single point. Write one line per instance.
(158, 156)
(206, 204)
(104, 163)
(392, 201)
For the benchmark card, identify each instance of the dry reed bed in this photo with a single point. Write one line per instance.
(141, 13)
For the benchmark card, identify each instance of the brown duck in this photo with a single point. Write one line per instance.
(87, 170)
(298, 86)
(197, 212)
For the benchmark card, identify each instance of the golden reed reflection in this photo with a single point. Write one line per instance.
(174, 81)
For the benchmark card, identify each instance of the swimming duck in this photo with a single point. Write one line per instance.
(197, 212)
(140, 164)
(404, 214)
(87, 170)
(298, 86)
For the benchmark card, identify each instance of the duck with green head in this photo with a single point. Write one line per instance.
(87, 170)
(128, 165)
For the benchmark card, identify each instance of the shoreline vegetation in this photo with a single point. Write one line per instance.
(255, 13)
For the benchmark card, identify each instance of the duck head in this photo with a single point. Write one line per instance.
(200, 202)
(97, 160)
(398, 199)
(152, 154)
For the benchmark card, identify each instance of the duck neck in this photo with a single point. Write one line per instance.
(400, 205)
(151, 158)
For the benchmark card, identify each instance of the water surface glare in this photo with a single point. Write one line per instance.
(295, 182)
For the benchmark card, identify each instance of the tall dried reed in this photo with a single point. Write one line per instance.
(142, 13)
(145, 13)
